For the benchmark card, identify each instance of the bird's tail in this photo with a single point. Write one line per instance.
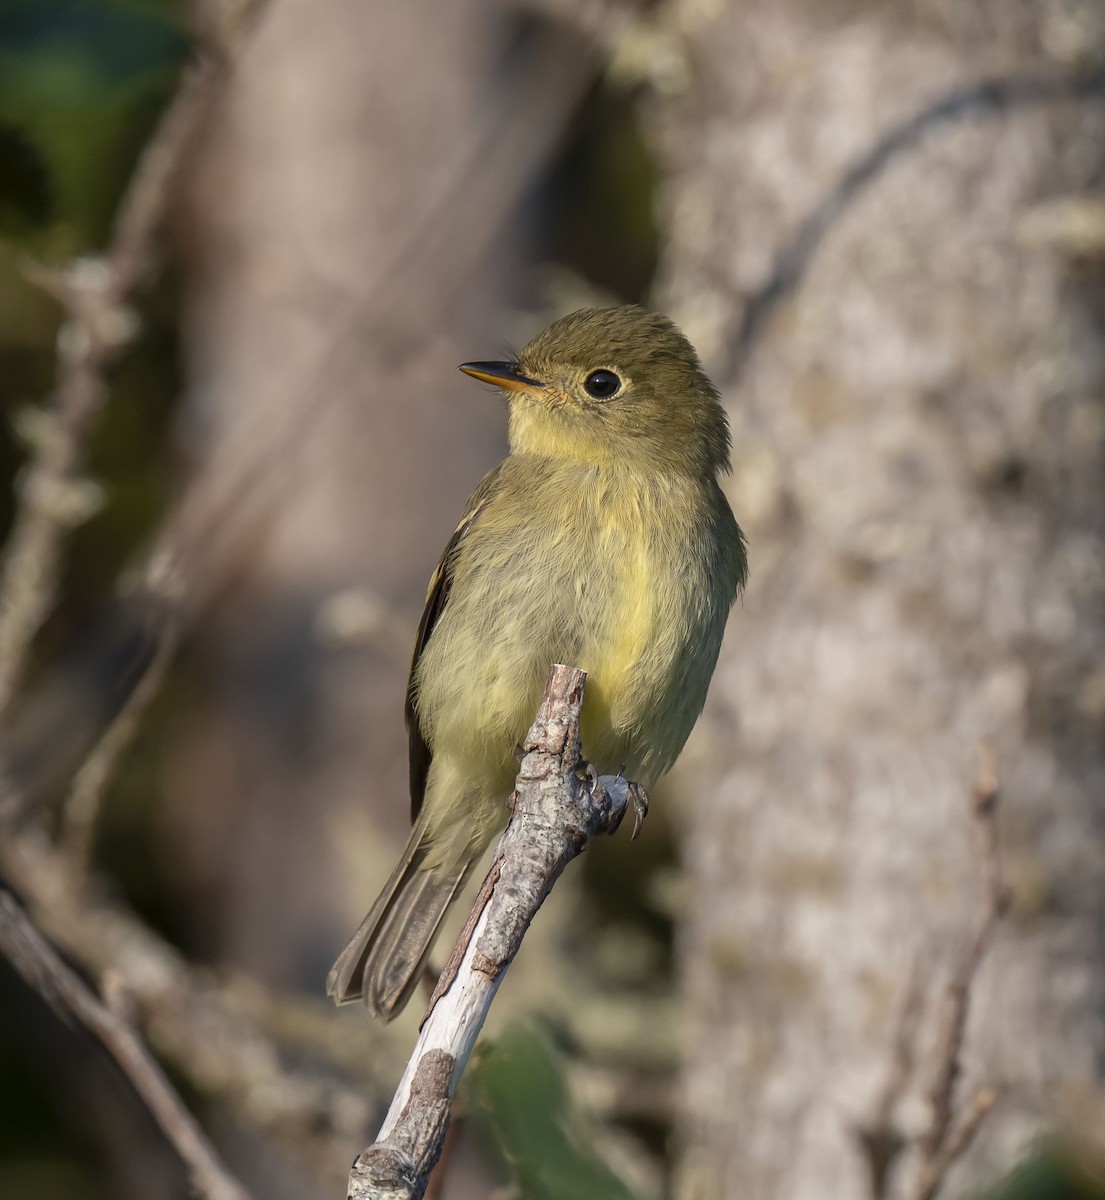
(383, 961)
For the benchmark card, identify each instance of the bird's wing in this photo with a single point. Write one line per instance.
(437, 596)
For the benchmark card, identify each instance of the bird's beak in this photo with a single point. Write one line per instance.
(506, 375)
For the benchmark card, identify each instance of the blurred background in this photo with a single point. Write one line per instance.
(883, 226)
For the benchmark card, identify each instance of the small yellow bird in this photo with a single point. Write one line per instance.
(602, 541)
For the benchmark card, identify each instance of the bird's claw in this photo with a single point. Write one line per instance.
(635, 796)
(638, 797)
(586, 770)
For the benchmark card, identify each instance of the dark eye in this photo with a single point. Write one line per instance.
(602, 384)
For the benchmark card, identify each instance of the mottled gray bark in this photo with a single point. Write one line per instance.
(919, 435)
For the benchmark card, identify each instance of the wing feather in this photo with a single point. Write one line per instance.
(437, 597)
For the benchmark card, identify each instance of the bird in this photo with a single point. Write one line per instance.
(603, 541)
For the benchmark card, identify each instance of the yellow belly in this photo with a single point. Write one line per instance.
(623, 596)
(626, 660)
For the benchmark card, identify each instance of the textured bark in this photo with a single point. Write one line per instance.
(919, 436)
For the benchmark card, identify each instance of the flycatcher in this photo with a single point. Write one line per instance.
(604, 541)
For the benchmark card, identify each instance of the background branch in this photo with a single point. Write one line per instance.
(949, 1134)
(95, 293)
(68, 995)
(82, 807)
(224, 1037)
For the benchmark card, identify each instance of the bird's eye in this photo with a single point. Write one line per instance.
(602, 384)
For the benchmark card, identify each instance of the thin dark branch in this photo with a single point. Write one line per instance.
(82, 808)
(69, 996)
(944, 1141)
(957, 999)
(224, 1035)
(880, 1138)
(948, 1135)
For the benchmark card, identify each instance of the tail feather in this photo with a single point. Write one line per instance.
(384, 959)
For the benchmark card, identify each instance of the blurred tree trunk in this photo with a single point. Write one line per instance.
(919, 433)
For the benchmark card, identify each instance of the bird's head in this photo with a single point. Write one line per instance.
(607, 384)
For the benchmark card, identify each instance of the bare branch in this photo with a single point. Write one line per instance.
(942, 1145)
(223, 1035)
(555, 815)
(949, 1046)
(935, 1170)
(82, 808)
(99, 325)
(880, 1138)
(68, 995)
(948, 1136)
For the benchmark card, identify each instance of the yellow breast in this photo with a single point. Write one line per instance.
(627, 652)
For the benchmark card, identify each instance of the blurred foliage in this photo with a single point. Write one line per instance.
(1053, 1173)
(522, 1105)
(81, 85)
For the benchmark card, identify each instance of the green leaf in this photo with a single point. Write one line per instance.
(523, 1105)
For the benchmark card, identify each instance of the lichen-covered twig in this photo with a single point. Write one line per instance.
(68, 994)
(556, 813)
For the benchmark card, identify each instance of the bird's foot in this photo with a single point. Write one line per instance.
(586, 770)
(638, 797)
(635, 796)
(586, 773)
